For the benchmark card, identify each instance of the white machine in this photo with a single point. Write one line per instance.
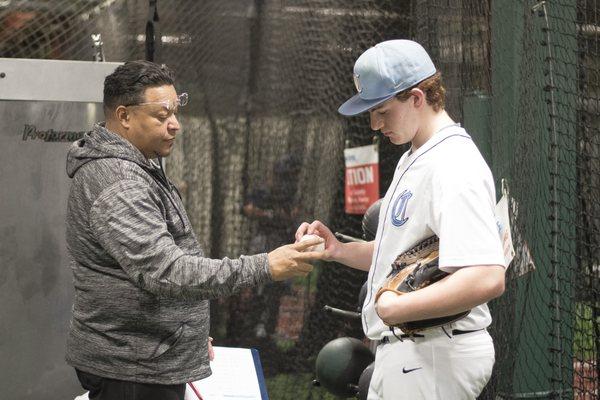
(44, 106)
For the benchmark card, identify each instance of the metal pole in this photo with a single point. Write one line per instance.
(550, 88)
(150, 29)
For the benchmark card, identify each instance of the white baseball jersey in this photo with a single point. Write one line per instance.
(443, 188)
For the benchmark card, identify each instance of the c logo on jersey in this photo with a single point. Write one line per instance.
(399, 217)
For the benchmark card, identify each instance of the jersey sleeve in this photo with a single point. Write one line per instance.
(463, 217)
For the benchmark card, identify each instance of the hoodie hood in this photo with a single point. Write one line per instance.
(102, 143)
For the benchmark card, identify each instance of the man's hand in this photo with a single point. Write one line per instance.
(292, 260)
(211, 351)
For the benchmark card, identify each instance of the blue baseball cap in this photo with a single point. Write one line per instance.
(384, 70)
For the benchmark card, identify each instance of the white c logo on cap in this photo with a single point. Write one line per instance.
(357, 83)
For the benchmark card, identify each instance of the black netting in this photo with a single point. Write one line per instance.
(262, 150)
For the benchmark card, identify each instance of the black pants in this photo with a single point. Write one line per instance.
(112, 389)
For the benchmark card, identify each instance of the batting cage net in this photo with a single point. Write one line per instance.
(262, 150)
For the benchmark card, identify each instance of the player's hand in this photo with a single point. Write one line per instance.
(211, 351)
(332, 245)
(387, 307)
(292, 260)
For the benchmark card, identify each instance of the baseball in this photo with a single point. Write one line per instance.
(317, 247)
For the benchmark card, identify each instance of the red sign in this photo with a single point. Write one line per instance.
(362, 178)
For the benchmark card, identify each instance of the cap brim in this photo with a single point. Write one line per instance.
(356, 105)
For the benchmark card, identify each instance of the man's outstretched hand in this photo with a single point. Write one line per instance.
(292, 260)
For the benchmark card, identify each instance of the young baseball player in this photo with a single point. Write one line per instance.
(442, 186)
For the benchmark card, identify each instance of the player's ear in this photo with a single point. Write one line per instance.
(418, 97)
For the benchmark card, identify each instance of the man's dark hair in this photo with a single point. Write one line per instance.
(126, 85)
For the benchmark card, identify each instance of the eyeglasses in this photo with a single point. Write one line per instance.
(170, 105)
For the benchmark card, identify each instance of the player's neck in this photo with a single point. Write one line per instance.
(433, 122)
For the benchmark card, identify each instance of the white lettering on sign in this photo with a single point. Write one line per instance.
(360, 176)
(359, 156)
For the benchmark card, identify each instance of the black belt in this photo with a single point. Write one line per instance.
(455, 332)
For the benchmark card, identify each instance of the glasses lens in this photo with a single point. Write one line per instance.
(183, 99)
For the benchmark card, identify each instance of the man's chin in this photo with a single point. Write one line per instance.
(164, 153)
(159, 154)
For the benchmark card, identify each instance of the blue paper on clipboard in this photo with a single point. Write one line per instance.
(236, 375)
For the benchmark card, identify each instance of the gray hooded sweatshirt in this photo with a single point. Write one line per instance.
(141, 280)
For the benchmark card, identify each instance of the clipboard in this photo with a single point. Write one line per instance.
(237, 374)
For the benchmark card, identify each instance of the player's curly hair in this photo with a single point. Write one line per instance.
(435, 93)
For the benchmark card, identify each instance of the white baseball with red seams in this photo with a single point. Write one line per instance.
(317, 247)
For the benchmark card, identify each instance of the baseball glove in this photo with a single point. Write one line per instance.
(414, 270)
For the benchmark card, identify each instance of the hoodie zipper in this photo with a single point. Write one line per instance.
(167, 187)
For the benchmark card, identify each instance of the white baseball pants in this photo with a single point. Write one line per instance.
(435, 367)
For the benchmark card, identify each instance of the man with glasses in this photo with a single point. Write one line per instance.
(140, 320)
